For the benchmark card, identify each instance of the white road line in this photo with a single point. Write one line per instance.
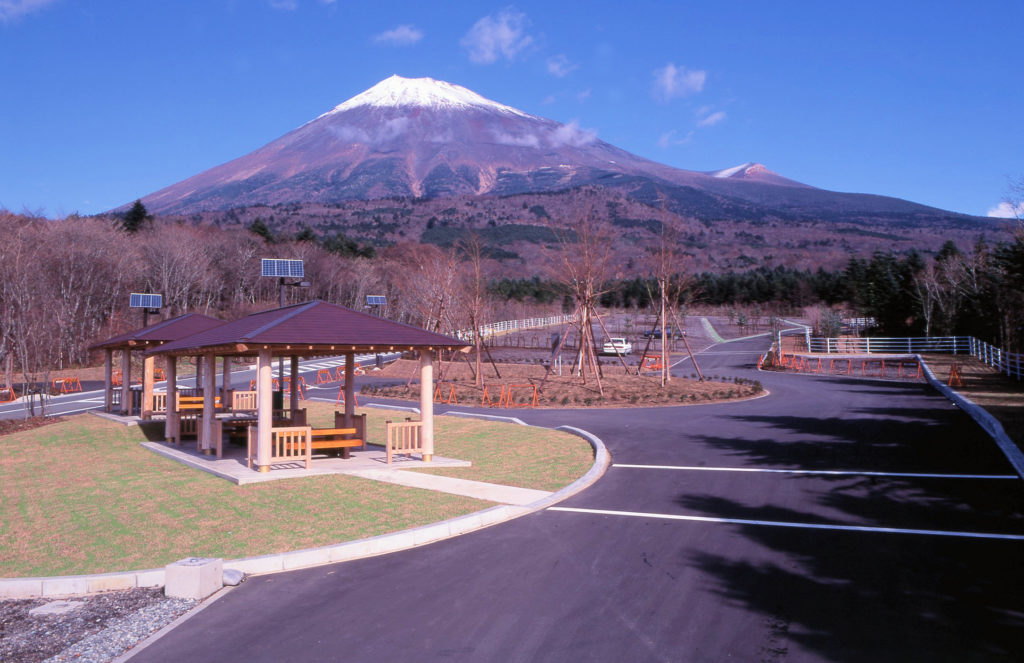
(773, 523)
(915, 475)
(53, 412)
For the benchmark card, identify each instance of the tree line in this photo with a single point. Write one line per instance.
(65, 284)
(978, 292)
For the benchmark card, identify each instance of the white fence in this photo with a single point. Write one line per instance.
(1011, 364)
(505, 326)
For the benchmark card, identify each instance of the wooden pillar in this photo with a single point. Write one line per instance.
(264, 411)
(350, 388)
(207, 443)
(126, 382)
(225, 383)
(108, 379)
(147, 387)
(172, 426)
(427, 403)
(293, 371)
(199, 373)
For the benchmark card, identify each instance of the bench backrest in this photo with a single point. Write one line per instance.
(358, 422)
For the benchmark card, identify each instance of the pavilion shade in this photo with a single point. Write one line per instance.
(319, 324)
(161, 332)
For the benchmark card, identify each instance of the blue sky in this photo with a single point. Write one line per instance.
(104, 102)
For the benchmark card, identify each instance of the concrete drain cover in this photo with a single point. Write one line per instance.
(55, 608)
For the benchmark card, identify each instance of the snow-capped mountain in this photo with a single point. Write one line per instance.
(424, 138)
(424, 92)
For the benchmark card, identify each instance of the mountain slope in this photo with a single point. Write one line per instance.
(423, 138)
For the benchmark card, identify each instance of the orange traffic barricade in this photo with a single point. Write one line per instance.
(531, 395)
(341, 396)
(487, 398)
(441, 397)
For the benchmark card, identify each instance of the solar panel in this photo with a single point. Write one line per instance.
(376, 300)
(282, 268)
(144, 300)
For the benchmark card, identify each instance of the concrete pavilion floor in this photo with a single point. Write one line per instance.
(232, 466)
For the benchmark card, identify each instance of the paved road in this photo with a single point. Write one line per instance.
(92, 398)
(675, 555)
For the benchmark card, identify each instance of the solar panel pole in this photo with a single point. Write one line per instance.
(280, 360)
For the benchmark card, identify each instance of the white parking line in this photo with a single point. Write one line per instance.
(773, 523)
(914, 475)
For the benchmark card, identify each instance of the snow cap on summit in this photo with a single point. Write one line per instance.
(396, 91)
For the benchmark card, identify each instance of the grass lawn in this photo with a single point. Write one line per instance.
(81, 496)
(508, 454)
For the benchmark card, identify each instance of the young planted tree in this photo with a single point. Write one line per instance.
(584, 265)
(471, 295)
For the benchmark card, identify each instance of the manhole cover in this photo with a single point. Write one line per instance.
(54, 608)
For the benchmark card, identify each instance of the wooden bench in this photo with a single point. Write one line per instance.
(237, 430)
(189, 403)
(339, 437)
(282, 418)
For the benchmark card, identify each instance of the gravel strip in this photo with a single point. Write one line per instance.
(100, 629)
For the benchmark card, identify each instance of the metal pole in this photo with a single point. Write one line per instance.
(280, 360)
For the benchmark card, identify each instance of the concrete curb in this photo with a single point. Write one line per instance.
(489, 417)
(987, 422)
(20, 588)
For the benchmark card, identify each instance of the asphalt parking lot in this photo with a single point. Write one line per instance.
(836, 519)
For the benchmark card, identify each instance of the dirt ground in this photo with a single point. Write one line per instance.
(8, 426)
(1001, 395)
(524, 382)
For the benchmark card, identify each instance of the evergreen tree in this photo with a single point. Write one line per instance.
(135, 218)
(259, 227)
(306, 235)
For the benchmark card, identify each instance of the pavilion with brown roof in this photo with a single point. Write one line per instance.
(141, 340)
(310, 329)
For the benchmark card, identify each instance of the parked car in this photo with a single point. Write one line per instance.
(616, 346)
(674, 334)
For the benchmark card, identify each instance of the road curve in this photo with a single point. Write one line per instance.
(835, 520)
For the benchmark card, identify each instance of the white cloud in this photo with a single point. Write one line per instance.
(571, 134)
(286, 5)
(559, 66)
(548, 100)
(389, 131)
(501, 35)
(350, 134)
(583, 95)
(403, 35)
(393, 129)
(13, 9)
(673, 81)
(522, 140)
(668, 139)
(1007, 210)
(711, 119)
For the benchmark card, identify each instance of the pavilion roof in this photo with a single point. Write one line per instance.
(159, 333)
(310, 328)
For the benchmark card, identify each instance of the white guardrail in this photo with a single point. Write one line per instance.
(505, 326)
(1010, 363)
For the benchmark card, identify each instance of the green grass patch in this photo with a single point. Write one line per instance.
(508, 454)
(82, 496)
